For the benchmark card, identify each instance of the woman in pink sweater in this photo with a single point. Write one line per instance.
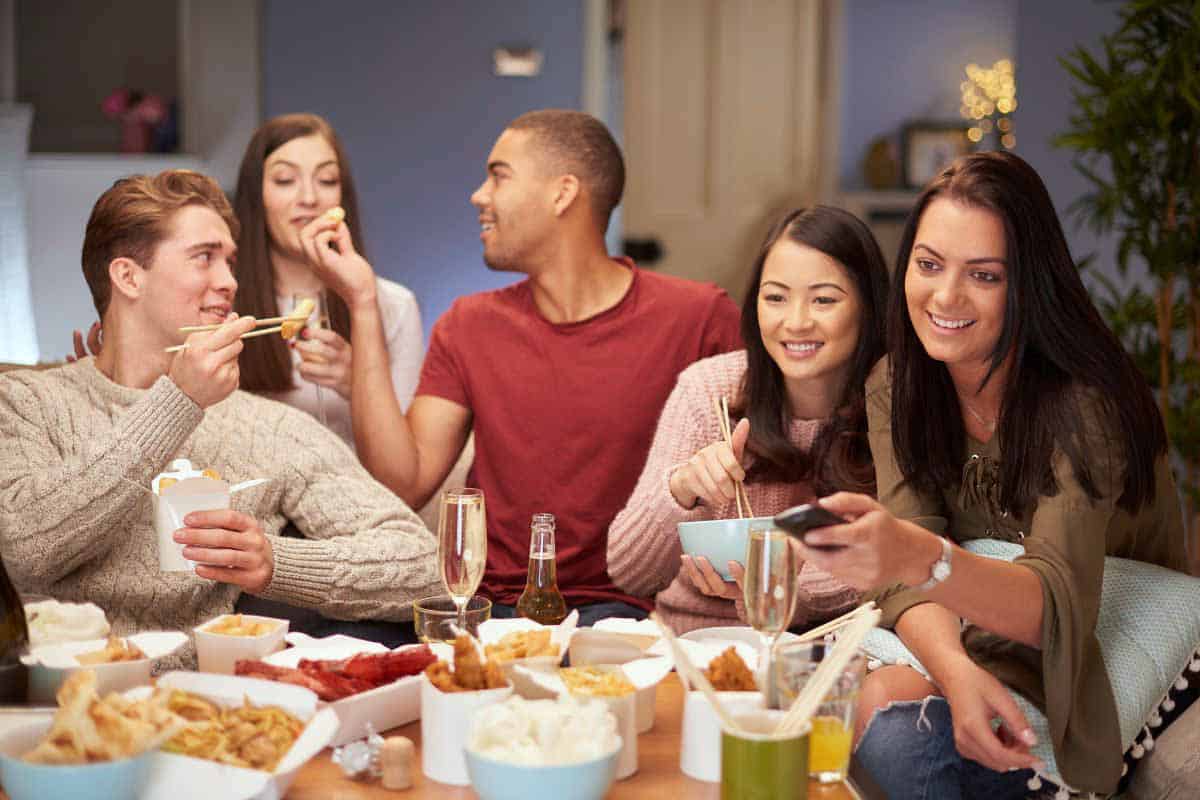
(812, 322)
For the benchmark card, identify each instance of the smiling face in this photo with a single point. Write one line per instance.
(301, 181)
(956, 283)
(809, 312)
(516, 204)
(189, 280)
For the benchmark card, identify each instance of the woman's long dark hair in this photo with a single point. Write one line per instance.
(840, 458)
(266, 363)
(1058, 343)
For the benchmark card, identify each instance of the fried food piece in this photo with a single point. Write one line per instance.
(211, 473)
(469, 674)
(468, 669)
(116, 650)
(87, 729)
(336, 214)
(729, 673)
(522, 644)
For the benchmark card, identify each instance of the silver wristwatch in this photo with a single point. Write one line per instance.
(941, 568)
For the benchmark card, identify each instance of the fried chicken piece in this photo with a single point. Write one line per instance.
(729, 673)
(441, 677)
(468, 669)
(493, 676)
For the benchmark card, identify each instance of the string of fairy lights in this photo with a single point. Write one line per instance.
(989, 96)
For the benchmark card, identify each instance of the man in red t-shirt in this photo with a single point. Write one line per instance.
(561, 376)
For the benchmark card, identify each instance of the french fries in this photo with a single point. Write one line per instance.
(87, 729)
(522, 644)
(235, 625)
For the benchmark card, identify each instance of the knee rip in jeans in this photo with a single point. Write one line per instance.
(923, 724)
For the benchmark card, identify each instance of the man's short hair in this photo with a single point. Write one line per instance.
(133, 216)
(581, 145)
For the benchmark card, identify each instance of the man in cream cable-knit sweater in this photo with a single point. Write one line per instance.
(80, 445)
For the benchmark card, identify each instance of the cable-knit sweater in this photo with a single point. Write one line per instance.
(76, 514)
(643, 542)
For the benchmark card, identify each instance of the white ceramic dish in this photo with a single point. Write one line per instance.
(219, 652)
(386, 707)
(50, 665)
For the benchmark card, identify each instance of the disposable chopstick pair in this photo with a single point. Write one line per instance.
(840, 622)
(739, 490)
(301, 312)
(691, 675)
(250, 335)
(821, 681)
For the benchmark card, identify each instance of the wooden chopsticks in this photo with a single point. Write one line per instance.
(250, 335)
(691, 674)
(739, 490)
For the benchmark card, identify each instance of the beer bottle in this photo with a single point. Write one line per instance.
(541, 601)
(14, 640)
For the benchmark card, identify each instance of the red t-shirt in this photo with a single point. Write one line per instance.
(564, 414)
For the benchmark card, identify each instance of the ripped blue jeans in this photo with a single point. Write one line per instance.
(908, 748)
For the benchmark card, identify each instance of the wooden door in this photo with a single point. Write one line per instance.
(724, 106)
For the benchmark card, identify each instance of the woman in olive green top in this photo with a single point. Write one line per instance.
(1008, 410)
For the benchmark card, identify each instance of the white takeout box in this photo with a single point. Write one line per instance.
(491, 631)
(177, 777)
(445, 728)
(51, 664)
(700, 740)
(193, 491)
(645, 675)
(385, 707)
(220, 652)
(591, 646)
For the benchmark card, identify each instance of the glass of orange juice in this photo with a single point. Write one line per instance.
(833, 722)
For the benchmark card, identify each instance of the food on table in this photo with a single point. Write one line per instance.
(50, 621)
(469, 673)
(236, 625)
(596, 682)
(543, 732)
(255, 737)
(522, 644)
(87, 729)
(335, 679)
(296, 320)
(116, 649)
(729, 673)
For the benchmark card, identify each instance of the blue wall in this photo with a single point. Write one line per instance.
(409, 88)
(1046, 31)
(905, 60)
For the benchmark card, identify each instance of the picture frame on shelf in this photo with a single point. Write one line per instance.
(927, 147)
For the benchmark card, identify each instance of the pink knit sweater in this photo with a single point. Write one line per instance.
(643, 543)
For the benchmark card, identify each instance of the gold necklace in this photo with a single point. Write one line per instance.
(989, 424)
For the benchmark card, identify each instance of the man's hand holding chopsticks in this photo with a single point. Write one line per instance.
(207, 369)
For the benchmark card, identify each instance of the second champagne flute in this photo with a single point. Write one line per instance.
(319, 319)
(769, 590)
(462, 545)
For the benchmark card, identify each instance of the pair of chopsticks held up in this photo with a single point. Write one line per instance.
(721, 406)
(287, 325)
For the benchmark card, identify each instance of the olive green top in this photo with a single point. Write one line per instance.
(1066, 538)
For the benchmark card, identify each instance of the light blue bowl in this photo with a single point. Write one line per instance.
(498, 780)
(719, 540)
(112, 780)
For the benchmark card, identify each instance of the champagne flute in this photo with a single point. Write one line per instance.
(462, 545)
(769, 590)
(319, 319)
